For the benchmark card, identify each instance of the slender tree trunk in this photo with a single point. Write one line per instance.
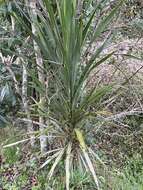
(40, 68)
(26, 106)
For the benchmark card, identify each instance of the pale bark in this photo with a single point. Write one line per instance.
(40, 68)
(26, 106)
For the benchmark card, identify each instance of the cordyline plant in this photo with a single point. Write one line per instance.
(61, 35)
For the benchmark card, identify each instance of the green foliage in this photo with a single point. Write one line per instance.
(8, 100)
(7, 103)
(11, 155)
(127, 178)
(131, 177)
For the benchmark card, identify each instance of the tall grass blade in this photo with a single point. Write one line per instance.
(91, 167)
(50, 159)
(58, 159)
(67, 165)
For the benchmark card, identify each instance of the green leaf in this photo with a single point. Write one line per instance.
(88, 24)
(106, 21)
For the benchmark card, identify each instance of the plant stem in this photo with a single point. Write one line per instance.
(40, 68)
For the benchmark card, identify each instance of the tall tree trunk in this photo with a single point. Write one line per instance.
(40, 68)
(26, 106)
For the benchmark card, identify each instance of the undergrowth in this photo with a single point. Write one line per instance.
(22, 173)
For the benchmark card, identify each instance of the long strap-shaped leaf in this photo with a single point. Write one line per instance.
(84, 149)
(58, 159)
(53, 23)
(106, 21)
(88, 24)
(67, 165)
(100, 28)
(90, 66)
(91, 167)
(50, 159)
(94, 96)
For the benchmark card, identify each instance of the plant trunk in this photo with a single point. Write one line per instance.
(40, 68)
(26, 106)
